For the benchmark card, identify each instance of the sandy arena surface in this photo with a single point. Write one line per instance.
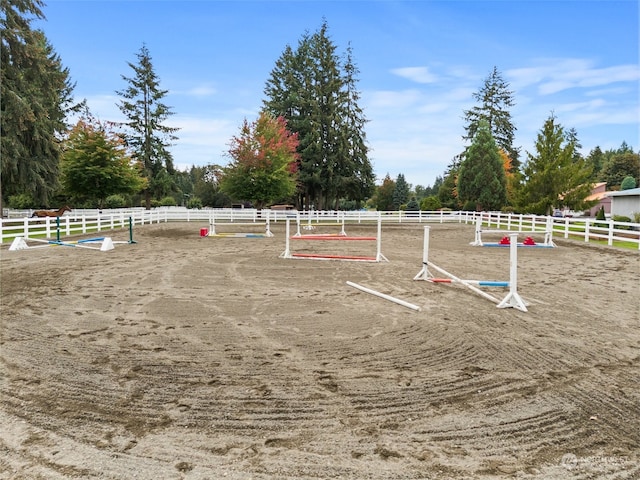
(183, 357)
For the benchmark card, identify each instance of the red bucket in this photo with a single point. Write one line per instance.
(204, 232)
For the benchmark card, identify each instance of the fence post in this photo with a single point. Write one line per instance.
(587, 224)
(610, 233)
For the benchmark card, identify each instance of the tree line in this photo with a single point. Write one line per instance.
(307, 147)
(489, 175)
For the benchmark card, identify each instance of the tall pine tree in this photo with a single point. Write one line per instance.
(357, 177)
(554, 176)
(145, 135)
(317, 95)
(400, 192)
(36, 98)
(494, 101)
(482, 180)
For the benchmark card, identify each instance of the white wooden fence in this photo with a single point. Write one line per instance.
(77, 222)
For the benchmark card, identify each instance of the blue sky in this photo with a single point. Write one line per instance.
(419, 61)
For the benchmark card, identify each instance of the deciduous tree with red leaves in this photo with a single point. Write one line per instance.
(263, 167)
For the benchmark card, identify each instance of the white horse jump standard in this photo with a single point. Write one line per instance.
(320, 256)
(512, 300)
(547, 243)
(310, 227)
(212, 230)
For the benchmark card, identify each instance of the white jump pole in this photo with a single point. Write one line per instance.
(424, 273)
(477, 242)
(379, 256)
(267, 231)
(548, 234)
(385, 296)
(465, 283)
(212, 227)
(287, 251)
(513, 299)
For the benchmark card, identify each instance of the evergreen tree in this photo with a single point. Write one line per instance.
(316, 93)
(554, 177)
(572, 137)
(495, 99)
(596, 160)
(206, 186)
(448, 191)
(145, 135)
(413, 205)
(289, 94)
(400, 192)
(36, 96)
(357, 176)
(482, 180)
(620, 165)
(329, 101)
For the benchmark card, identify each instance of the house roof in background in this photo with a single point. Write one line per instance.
(632, 192)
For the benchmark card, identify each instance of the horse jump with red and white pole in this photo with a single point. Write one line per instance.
(379, 257)
(512, 300)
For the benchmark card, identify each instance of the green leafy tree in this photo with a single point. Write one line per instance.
(263, 166)
(619, 166)
(382, 199)
(400, 192)
(96, 166)
(206, 186)
(494, 101)
(145, 134)
(554, 176)
(628, 183)
(481, 179)
(315, 91)
(36, 96)
(430, 203)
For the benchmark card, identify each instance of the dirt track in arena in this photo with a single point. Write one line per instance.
(207, 358)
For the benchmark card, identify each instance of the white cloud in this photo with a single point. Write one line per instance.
(416, 74)
(556, 75)
(104, 107)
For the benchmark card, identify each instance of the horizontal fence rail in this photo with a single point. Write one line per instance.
(18, 223)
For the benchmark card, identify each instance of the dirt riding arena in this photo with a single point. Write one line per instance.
(182, 357)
